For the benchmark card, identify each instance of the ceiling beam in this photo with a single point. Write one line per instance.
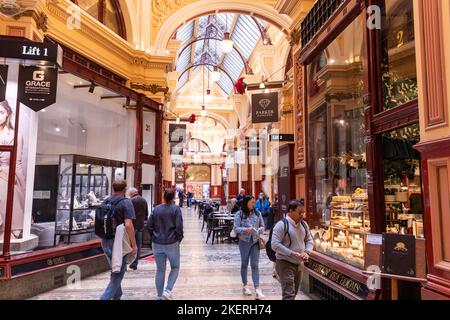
(113, 96)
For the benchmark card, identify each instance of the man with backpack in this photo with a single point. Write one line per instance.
(115, 211)
(291, 242)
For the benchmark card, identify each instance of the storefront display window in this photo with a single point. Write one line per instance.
(402, 186)
(399, 77)
(337, 152)
(198, 180)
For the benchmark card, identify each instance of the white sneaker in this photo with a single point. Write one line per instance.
(259, 294)
(246, 291)
(167, 295)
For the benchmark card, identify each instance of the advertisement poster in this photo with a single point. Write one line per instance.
(37, 86)
(3, 80)
(7, 132)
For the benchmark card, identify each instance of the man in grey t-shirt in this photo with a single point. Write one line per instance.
(292, 243)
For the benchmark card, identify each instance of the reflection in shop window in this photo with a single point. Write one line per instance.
(337, 153)
(402, 182)
(399, 77)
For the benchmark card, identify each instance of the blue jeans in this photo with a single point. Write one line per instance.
(162, 252)
(249, 252)
(114, 289)
(138, 236)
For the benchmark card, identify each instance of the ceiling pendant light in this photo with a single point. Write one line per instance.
(215, 75)
(178, 119)
(226, 44)
(203, 112)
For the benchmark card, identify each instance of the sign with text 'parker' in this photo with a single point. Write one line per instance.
(265, 107)
(37, 86)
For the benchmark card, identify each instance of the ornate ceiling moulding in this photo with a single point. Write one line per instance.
(153, 88)
(40, 18)
(162, 9)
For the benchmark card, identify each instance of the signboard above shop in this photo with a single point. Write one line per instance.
(265, 107)
(37, 86)
(21, 50)
(281, 138)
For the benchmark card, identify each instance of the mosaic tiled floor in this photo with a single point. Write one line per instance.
(208, 272)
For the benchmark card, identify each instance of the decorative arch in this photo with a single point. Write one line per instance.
(99, 12)
(224, 122)
(205, 7)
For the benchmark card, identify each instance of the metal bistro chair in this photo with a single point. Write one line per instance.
(216, 228)
(207, 211)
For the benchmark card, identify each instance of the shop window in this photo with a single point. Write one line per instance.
(337, 153)
(402, 175)
(106, 11)
(90, 6)
(198, 180)
(399, 76)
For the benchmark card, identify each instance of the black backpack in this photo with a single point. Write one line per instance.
(105, 219)
(270, 252)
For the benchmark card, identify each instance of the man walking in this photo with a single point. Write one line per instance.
(141, 210)
(181, 197)
(166, 231)
(124, 214)
(292, 243)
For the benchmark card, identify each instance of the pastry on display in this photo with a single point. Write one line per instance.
(342, 199)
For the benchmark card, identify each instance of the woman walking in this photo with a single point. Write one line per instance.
(249, 225)
(166, 230)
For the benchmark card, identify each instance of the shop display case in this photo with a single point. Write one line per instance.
(84, 183)
(343, 234)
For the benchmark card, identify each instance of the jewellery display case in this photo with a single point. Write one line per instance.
(84, 183)
(343, 235)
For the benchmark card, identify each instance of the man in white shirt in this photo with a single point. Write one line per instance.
(292, 243)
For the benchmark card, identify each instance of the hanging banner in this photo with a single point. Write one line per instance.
(37, 86)
(265, 107)
(239, 157)
(253, 148)
(3, 81)
(177, 132)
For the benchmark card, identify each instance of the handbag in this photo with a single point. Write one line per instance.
(262, 243)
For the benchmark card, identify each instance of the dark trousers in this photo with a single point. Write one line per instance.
(138, 236)
(290, 278)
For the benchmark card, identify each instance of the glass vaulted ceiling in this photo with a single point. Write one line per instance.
(245, 33)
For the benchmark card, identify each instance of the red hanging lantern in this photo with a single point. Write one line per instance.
(192, 118)
(222, 166)
(185, 167)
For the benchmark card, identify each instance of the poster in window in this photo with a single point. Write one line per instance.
(3, 81)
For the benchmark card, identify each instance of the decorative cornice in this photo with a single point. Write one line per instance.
(40, 18)
(161, 9)
(153, 88)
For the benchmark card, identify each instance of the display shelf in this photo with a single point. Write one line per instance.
(84, 183)
(340, 238)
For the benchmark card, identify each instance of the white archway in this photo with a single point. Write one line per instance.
(202, 7)
(130, 18)
(211, 115)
